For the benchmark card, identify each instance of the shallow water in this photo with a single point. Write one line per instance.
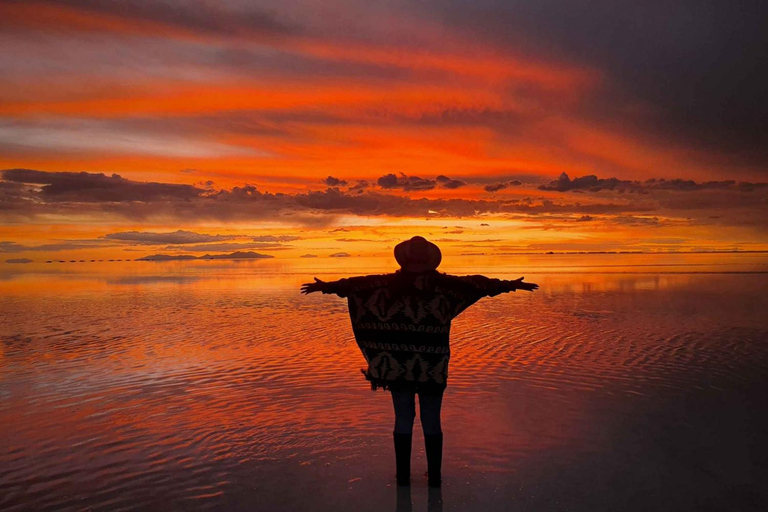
(622, 384)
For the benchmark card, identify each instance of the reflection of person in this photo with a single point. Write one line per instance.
(401, 323)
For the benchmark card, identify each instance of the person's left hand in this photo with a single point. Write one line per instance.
(317, 286)
(520, 285)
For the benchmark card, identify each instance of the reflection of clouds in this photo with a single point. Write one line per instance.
(176, 237)
(8, 246)
(227, 247)
(149, 280)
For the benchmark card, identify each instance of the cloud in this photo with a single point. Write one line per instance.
(359, 187)
(416, 183)
(90, 187)
(109, 137)
(448, 183)
(176, 238)
(391, 181)
(147, 16)
(37, 193)
(495, 187)
(334, 182)
(677, 77)
(685, 73)
(592, 183)
(636, 220)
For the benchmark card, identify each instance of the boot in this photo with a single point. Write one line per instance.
(433, 445)
(403, 458)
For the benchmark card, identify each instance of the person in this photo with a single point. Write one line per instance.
(401, 322)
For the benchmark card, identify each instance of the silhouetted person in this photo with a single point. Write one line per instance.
(401, 323)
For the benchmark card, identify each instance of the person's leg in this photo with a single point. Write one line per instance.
(405, 412)
(429, 413)
(430, 405)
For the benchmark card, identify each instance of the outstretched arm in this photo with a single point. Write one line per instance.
(482, 286)
(342, 287)
(470, 289)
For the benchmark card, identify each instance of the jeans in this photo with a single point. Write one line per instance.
(405, 412)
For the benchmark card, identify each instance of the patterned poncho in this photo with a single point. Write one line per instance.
(402, 322)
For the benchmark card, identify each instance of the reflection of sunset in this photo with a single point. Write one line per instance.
(198, 374)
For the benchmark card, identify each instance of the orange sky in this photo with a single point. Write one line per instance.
(296, 98)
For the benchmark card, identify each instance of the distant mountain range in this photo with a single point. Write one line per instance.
(239, 255)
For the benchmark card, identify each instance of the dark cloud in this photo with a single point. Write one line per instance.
(691, 69)
(592, 183)
(176, 238)
(90, 187)
(736, 203)
(333, 182)
(495, 187)
(454, 184)
(391, 181)
(411, 183)
(634, 220)
(202, 18)
(359, 186)
(448, 183)
(15, 197)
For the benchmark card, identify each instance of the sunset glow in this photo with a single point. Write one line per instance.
(321, 128)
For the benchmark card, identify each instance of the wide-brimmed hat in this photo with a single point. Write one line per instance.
(418, 255)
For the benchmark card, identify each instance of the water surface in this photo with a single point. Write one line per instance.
(627, 382)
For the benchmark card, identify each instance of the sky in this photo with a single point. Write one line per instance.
(326, 127)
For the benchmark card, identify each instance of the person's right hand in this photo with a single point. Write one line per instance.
(520, 285)
(317, 286)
